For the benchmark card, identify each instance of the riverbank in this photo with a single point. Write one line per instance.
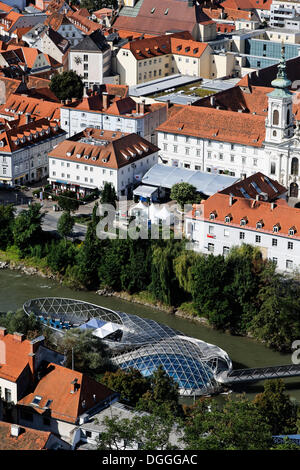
(31, 266)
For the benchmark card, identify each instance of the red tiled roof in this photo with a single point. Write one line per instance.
(217, 124)
(187, 47)
(121, 150)
(29, 439)
(282, 214)
(16, 354)
(36, 107)
(271, 188)
(166, 16)
(12, 139)
(56, 385)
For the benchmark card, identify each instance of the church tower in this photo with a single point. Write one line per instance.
(280, 121)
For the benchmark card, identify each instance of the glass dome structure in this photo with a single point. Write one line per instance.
(139, 343)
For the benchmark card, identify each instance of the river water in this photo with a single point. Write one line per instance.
(16, 288)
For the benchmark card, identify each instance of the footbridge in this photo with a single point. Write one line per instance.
(259, 373)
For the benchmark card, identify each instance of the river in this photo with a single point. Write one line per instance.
(16, 288)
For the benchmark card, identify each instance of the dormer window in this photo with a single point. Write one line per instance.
(276, 228)
(259, 224)
(292, 231)
(212, 216)
(243, 221)
(228, 219)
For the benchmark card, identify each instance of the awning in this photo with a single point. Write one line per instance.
(5, 179)
(20, 176)
(144, 191)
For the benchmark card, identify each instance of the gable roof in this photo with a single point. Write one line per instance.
(95, 42)
(16, 356)
(28, 439)
(57, 384)
(161, 16)
(36, 107)
(256, 185)
(270, 214)
(105, 149)
(217, 124)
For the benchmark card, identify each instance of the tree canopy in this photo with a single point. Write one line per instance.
(67, 85)
(184, 193)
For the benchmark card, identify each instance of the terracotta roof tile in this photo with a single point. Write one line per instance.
(16, 357)
(56, 385)
(29, 439)
(255, 185)
(281, 214)
(216, 124)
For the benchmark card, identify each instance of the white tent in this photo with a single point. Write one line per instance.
(157, 214)
(139, 210)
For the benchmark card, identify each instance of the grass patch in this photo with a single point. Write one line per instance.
(189, 309)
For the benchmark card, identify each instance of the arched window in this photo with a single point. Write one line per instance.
(275, 117)
(295, 166)
(274, 133)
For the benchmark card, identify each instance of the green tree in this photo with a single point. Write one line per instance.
(27, 229)
(148, 432)
(89, 352)
(209, 280)
(277, 320)
(67, 85)
(61, 254)
(183, 193)
(164, 284)
(130, 384)
(108, 194)
(65, 224)
(163, 392)
(276, 407)
(68, 201)
(90, 254)
(288, 444)
(182, 268)
(113, 264)
(237, 426)
(6, 225)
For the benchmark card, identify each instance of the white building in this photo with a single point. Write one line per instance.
(88, 160)
(108, 111)
(62, 25)
(24, 151)
(282, 11)
(91, 59)
(238, 132)
(223, 221)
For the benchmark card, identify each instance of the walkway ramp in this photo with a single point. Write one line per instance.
(260, 373)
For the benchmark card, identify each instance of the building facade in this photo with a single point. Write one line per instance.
(223, 221)
(94, 157)
(24, 151)
(260, 133)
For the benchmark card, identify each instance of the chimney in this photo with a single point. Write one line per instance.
(3, 331)
(27, 118)
(15, 430)
(74, 386)
(142, 107)
(230, 200)
(18, 337)
(105, 99)
(257, 197)
(212, 101)
(272, 206)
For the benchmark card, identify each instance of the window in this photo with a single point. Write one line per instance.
(257, 238)
(275, 261)
(225, 250)
(254, 161)
(36, 400)
(290, 245)
(226, 232)
(273, 168)
(292, 231)
(7, 395)
(165, 146)
(275, 117)
(221, 156)
(275, 228)
(211, 247)
(243, 222)
(187, 151)
(295, 166)
(274, 241)
(232, 158)
(208, 154)
(289, 264)
(175, 148)
(211, 229)
(212, 216)
(242, 235)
